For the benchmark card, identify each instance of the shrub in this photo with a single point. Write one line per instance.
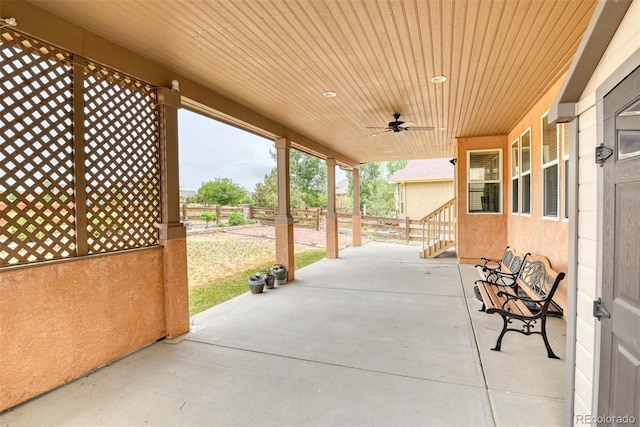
(236, 218)
(208, 216)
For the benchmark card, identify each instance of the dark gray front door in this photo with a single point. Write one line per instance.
(619, 391)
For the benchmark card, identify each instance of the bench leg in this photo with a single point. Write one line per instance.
(504, 331)
(550, 352)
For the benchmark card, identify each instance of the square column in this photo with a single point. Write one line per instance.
(356, 218)
(332, 217)
(172, 234)
(284, 220)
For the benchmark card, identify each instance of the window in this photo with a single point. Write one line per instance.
(402, 199)
(515, 175)
(565, 170)
(484, 176)
(525, 162)
(549, 168)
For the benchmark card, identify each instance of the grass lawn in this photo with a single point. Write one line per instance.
(216, 291)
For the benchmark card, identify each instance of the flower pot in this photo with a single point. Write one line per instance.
(269, 281)
(256, 286)
(280, 271)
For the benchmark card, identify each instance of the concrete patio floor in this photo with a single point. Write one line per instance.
(378, 337)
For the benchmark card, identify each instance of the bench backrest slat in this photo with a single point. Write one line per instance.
(538, 279)
(514, 263)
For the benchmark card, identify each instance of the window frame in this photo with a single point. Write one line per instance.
(525, 173)
(565, 171)
(549, 164)
(484, 181)
(515, 176)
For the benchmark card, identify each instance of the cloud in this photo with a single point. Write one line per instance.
(209, 149)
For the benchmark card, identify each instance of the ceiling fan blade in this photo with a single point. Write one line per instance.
(376, 127)
(419, 128)
(378, 133)
(408, 125)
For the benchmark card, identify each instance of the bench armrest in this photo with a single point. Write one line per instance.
(488, 260)
(504, 280)
(521, 298)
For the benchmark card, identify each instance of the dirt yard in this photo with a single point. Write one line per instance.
(218, 253)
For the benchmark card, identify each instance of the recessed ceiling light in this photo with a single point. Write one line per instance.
(439, 79)
(329, 94)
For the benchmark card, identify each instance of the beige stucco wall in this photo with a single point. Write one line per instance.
(479, 235)
(422, 198)
(625, 42)
(59, 320)
(533, 233)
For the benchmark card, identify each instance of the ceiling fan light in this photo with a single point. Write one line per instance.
(438, 79)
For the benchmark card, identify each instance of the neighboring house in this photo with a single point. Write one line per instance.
(423, 186)
(186, 195)
(342, 196)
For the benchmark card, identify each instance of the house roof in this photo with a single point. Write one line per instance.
(342, 187)
(424, 170)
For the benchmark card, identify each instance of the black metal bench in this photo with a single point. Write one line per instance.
(527, 301)
(503, 271)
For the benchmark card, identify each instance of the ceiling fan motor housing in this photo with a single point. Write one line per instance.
(395, 125)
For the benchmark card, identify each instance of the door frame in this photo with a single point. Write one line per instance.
(603, 267)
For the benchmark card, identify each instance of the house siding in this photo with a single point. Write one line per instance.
(422, 198)
(625, 42)
(532, 232)
(472, 242)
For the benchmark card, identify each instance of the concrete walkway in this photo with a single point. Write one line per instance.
(378, 337)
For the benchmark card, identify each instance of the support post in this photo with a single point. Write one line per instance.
(172, 233)
(407, 229)
(332, 218)
(356, 218)
(284, 220)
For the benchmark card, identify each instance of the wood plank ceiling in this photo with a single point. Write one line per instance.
(278, 57)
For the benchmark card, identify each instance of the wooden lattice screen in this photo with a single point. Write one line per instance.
(40, 169)
(122, 162)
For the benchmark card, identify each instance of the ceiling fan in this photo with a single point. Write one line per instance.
(398, 125)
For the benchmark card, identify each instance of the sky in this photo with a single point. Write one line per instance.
(209, 149)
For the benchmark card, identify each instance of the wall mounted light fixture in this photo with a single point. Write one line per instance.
(8, 22)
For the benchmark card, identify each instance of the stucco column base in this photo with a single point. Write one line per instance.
(284, 245)
(356, 230)
(176, 287)
(332, 237)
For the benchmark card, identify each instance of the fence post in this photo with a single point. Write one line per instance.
(407, 229)
(185, 214)
(246, 211)
(218, 212)
(317, 219)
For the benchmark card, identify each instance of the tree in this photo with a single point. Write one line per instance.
(309, 176)
(376, 193)
(221, 191)
(395, 166)
(266, 193)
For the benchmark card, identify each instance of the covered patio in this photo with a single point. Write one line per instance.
(376, 337)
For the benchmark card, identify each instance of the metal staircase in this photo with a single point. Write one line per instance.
(438, 230)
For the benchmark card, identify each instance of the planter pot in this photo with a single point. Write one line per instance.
(280, 272)
(256, 286)
(269, 281)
